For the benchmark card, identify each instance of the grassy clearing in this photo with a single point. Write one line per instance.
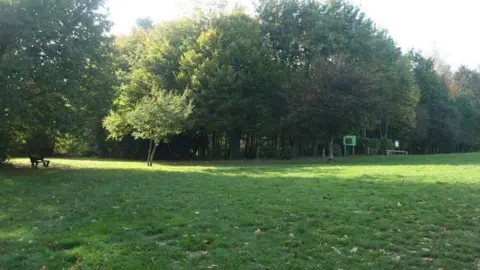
(360, 213)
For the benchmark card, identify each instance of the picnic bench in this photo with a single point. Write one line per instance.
(36, 159)
(390, 152)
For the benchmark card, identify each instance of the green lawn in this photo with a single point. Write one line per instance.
(359, 213)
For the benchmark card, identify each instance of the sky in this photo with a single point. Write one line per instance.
(443, 28)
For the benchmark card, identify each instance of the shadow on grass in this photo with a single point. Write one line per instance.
(143, 219)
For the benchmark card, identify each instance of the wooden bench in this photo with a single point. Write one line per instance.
(36, 159)
(389, 152)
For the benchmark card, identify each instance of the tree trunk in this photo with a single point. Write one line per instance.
(254, 142)
(226, 147)
(301, 151)
(153, 154)
(386, 128)
(149, 152)
(234, 141)
(259, 143)
(211, 145)
(330, 149)
(315, 148)
(278, 146)
(54, 140)
(248, 141)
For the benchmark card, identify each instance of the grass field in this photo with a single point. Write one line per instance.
(359, 213)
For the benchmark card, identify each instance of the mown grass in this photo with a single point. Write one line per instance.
(358, 213)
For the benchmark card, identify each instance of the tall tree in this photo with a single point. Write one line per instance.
(438, 114)
(55, 66)
(230, 77)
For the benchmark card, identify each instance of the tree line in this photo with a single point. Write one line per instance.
(289, 80)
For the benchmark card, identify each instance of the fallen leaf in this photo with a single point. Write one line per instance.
(336, 250)
(258, 232)
(208, 243)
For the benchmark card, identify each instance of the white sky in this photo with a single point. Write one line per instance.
(445, 27)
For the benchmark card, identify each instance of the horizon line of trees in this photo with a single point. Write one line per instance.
(290, 80)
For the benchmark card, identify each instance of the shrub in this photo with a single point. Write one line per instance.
(69, 145)
(363, 144)
(287, 152)
(385, 144)
(337, 150)
(267, 150)
(374, 145)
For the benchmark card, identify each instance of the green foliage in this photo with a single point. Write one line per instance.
(297, 72)
(159, 115)
(385, 144)
(287, 152)
(369, 146)
(154, 117)
(337, 150)
(55, 67)
(267, 150)
(438, 118)
(72, 146)
(229, 83)
(374, 145)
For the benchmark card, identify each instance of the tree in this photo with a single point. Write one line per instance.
(145, 23)
(229, 76)
(335, 96)
(466, 83)
(439, 118)
(55, 67)
(154, 118)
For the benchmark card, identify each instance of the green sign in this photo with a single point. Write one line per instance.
(350, 140)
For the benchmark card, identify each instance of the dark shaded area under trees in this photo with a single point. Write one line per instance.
(289, 81)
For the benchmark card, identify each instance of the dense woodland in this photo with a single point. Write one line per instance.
(288, 81)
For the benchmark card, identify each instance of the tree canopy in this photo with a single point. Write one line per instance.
(56, 69)
(290, 80)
